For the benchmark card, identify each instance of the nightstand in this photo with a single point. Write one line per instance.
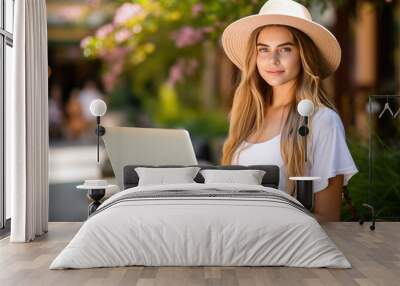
(304, 190)
(96, 193)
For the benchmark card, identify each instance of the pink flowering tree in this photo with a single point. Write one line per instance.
(169, 33)
(160, 43)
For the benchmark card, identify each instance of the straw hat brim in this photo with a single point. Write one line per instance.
(237, 34)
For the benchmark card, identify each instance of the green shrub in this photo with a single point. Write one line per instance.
(384, 191)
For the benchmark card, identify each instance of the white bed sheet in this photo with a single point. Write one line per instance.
(200, 231)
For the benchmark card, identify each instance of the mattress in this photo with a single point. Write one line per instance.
(201, 225)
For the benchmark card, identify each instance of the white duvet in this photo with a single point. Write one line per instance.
(200, 231)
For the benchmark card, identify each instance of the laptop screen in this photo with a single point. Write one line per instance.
(147, 146)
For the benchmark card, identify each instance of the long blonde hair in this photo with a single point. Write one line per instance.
(252, 94)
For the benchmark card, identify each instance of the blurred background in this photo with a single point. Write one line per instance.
(161, 64)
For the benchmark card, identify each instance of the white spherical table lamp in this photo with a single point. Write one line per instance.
(305, 107)
(98, 108)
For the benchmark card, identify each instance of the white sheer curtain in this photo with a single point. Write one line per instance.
(27, 124)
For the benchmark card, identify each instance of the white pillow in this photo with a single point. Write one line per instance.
(249, 177)
(162, 176)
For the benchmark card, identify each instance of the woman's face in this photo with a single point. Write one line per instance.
(278, 58)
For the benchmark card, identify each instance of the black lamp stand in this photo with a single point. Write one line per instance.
(100, 131)
(304, 188)
(303, 131)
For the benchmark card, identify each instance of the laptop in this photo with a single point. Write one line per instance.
(147, 146)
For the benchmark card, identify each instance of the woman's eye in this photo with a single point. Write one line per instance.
(262, 50)
(285, 50)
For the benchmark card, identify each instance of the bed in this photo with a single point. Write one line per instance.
(201, 224)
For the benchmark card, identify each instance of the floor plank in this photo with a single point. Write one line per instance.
(374, 255)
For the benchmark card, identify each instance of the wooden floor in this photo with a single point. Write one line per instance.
(375, 256)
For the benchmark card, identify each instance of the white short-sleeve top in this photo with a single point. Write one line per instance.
(329, 154)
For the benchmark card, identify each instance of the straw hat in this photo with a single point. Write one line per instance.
(281, 12)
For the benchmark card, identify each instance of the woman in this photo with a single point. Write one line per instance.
(283, 56)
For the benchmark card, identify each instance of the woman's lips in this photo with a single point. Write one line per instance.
(275, 72)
